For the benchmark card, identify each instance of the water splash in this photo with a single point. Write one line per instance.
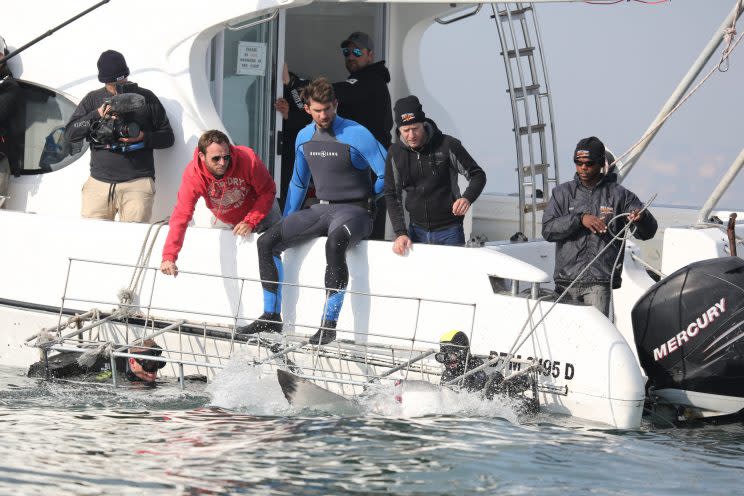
(255, 390)
(248, 388)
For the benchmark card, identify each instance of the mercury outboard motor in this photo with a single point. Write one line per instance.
(689, 333)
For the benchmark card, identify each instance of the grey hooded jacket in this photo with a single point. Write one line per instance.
(576, 246)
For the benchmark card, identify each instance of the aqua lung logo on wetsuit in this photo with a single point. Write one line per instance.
(553, 368)
(691, 331)
(323, 154)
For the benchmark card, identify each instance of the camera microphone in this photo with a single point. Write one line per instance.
(126, 102)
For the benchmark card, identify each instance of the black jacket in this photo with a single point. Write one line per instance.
(115, 167)
(364, 98)
(296, 120)
(576, 246)
(429, 178)
(10, 97)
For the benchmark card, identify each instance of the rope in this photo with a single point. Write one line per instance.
(728, 38)
(518, 342)
(126, 295)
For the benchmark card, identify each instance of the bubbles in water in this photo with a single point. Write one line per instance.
(248, 388)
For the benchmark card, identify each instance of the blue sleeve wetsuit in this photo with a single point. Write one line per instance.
(338, 159)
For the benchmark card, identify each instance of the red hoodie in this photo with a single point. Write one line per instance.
(244, 194)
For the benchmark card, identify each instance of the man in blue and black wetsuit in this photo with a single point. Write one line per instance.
(338, 154)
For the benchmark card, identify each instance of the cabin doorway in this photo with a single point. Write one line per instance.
(314, 33)
(246, 61)
(312, 39)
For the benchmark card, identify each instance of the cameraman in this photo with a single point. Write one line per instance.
(122, 172)
(10, 95)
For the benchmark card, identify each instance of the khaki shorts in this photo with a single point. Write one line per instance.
(132, 200)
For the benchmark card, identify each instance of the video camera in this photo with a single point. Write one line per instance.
(106, 132)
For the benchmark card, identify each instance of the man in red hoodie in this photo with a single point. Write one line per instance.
(235, 185)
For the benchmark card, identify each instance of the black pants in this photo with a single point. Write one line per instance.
(344, 224)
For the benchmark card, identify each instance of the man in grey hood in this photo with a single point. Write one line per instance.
(577, 219)
(425, 163)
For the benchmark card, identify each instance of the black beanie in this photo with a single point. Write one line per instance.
(112, 67)
(593, 147)
(408, 111)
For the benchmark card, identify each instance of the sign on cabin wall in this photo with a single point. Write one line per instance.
(251, 59)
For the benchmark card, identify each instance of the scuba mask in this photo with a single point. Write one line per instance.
(150, 365)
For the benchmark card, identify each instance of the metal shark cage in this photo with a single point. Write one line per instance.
(201, 343)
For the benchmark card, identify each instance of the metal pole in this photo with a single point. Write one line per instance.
(681, 89)
(726, 181)
(50, 32)
(113, 370)
(406, 364)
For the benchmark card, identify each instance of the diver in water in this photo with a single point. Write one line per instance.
(66, 365)
(454, 354)
(142, 369)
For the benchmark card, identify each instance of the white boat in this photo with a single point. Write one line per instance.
(57, 264)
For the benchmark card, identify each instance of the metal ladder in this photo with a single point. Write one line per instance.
(532, 107)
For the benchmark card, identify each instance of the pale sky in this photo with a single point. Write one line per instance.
(611, 68)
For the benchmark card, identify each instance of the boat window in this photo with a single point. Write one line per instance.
(37, 130)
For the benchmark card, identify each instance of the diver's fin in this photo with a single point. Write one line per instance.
(302, 393)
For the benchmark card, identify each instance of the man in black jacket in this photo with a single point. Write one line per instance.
(425, 164)
(364, 97)
(578, 219)
(122, 172)
(10, 94)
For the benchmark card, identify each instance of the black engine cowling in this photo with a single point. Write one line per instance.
(689, 328)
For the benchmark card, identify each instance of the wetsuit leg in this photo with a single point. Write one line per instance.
(349, 225)
(292, 230)
(270, 268)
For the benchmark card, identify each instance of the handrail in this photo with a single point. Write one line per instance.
(270, 17)
(459, 18)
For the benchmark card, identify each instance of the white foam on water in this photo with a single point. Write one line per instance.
(248, 388)
(255, 390)
(388, 401)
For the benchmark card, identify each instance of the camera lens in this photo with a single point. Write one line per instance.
(129, 130)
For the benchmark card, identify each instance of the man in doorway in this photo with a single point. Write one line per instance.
(338, 153)
(294, 118)
(122, 172)
(425, 164)
(364, 97)
(235, 185)
(577, 219)
(10, 95)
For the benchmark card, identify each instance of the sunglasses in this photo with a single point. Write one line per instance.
(587, 164)
(356, 51)
(216, 159)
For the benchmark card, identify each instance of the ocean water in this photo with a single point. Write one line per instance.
(238, 435)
